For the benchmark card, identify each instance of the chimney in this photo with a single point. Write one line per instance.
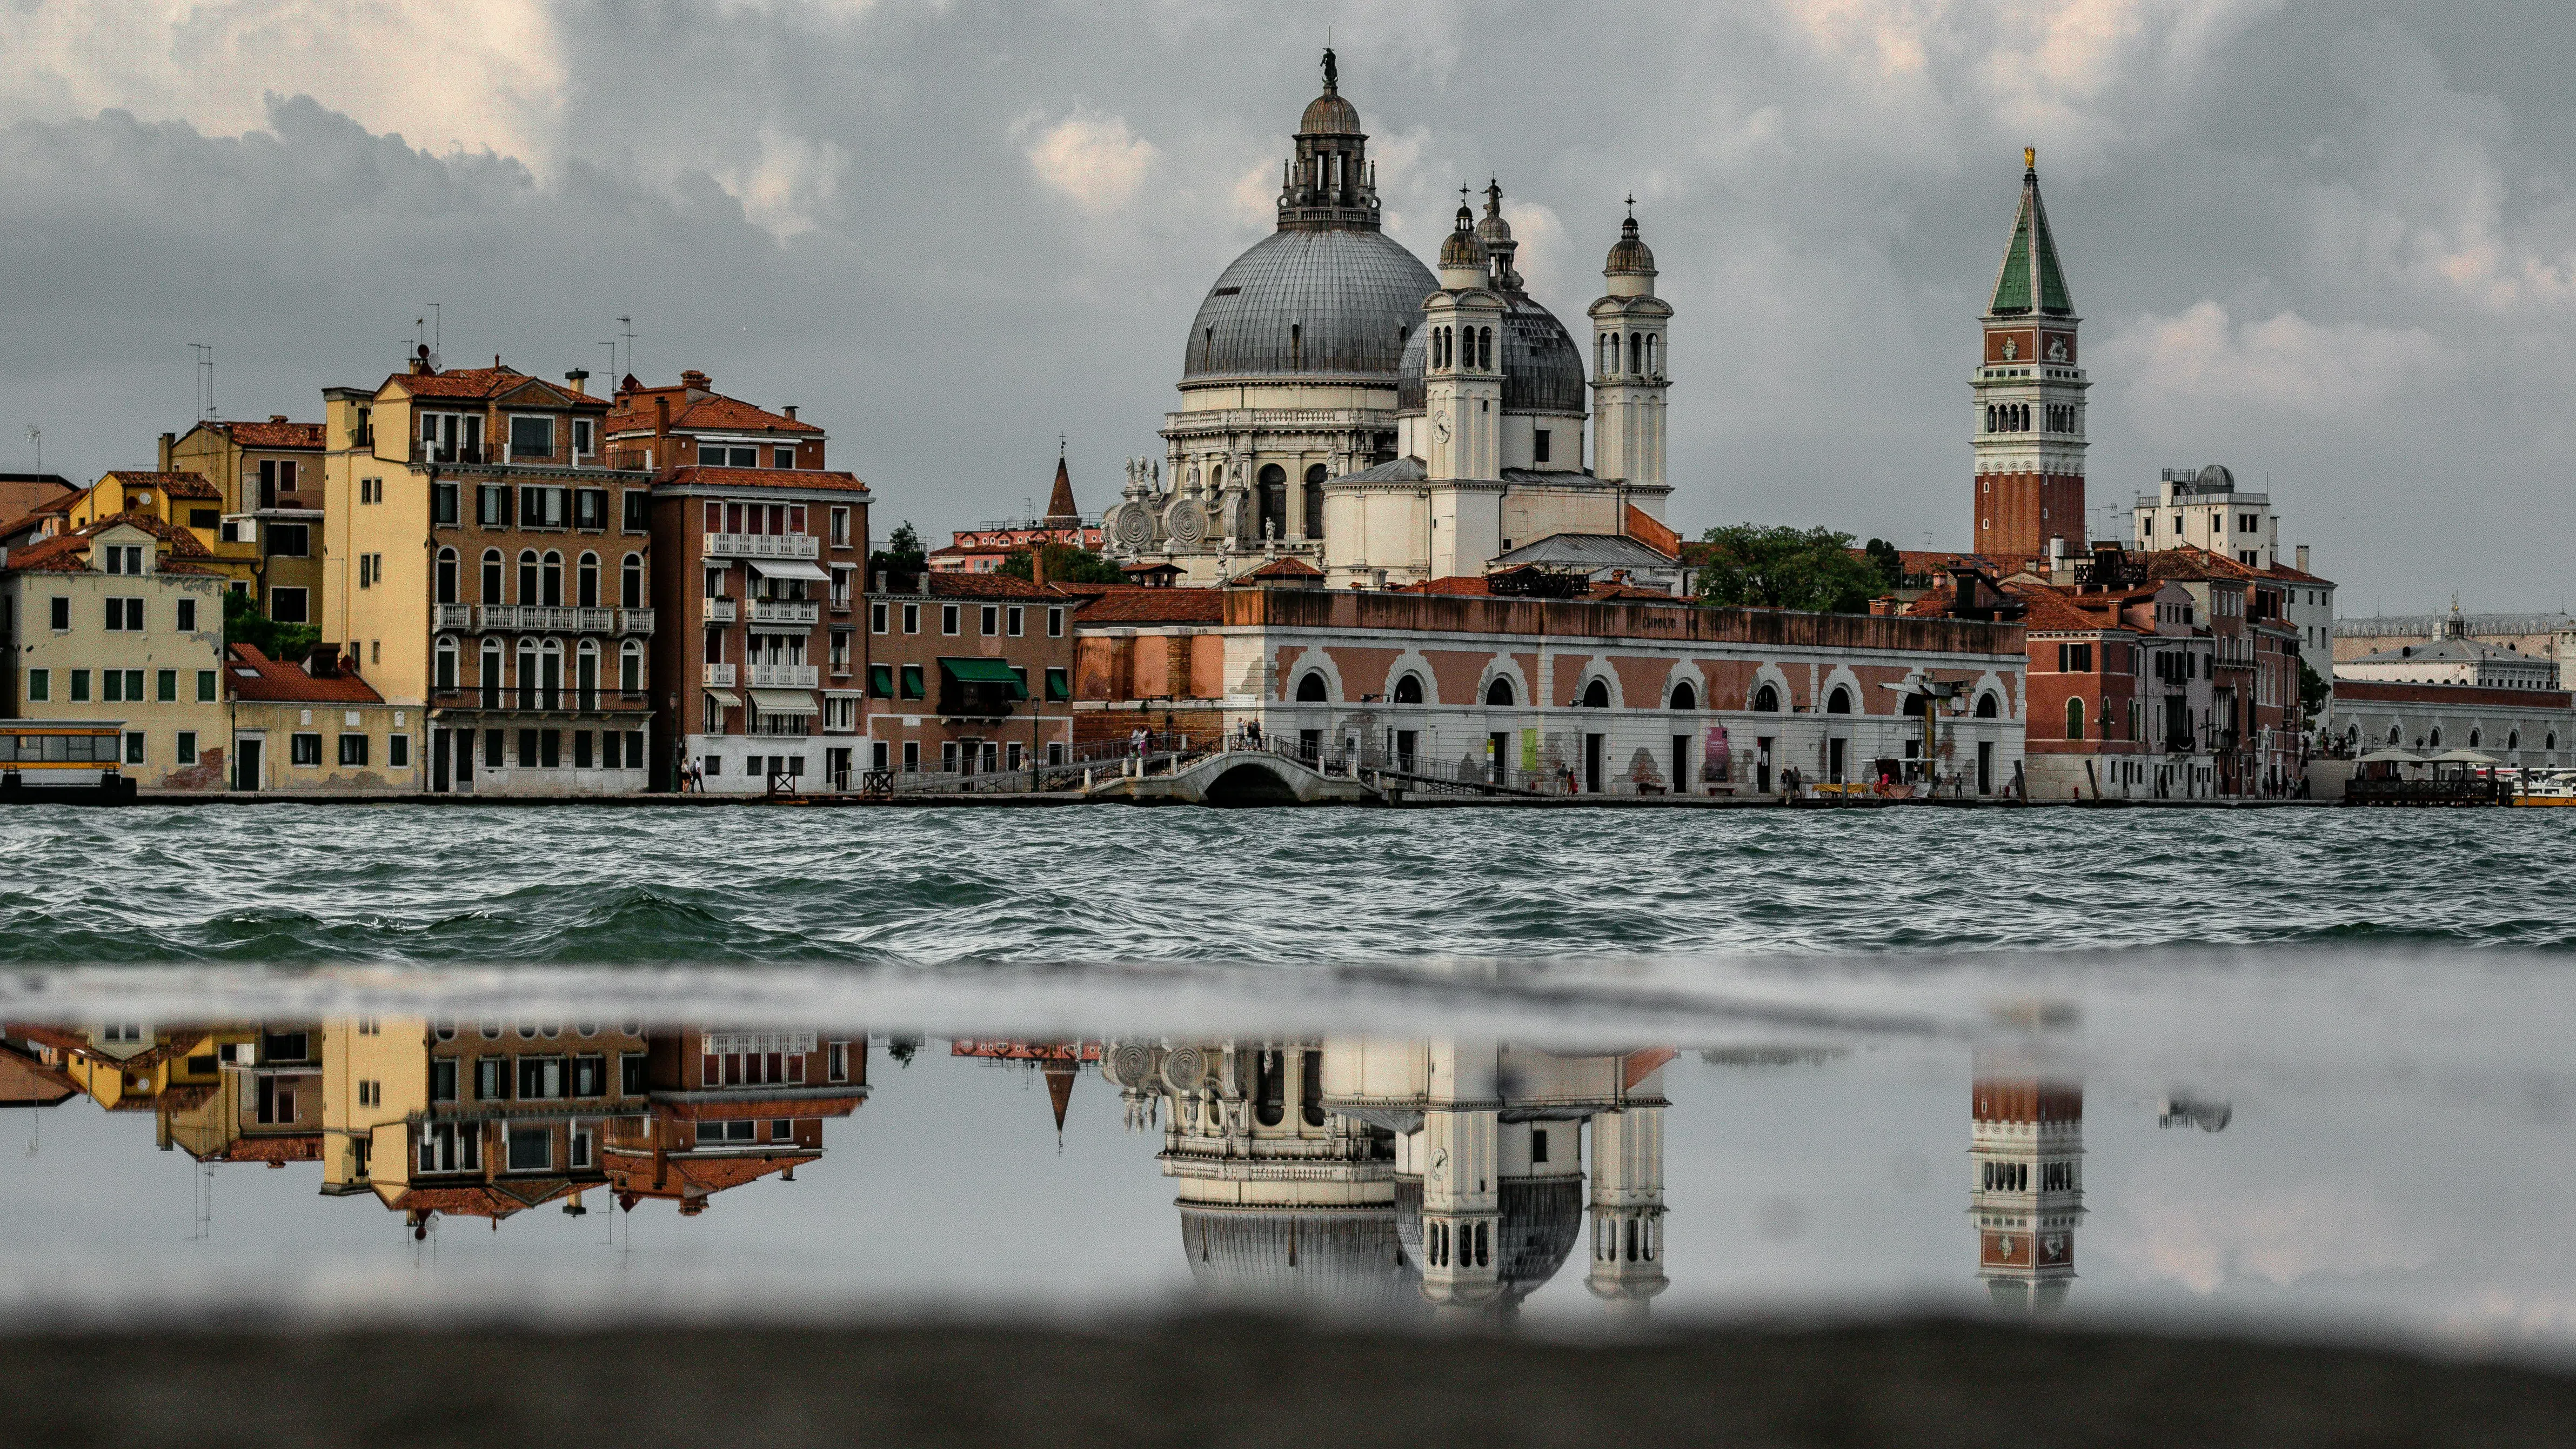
(790, 410)
(170, 441)
(1037, 565)
(1885, 607)
(580, 380)
(277, 417)
(2303, 548)
(696, 381)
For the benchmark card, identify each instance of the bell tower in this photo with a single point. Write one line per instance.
(1628, 380)
(2029, 398)
(1461, 438)
(2026, 1149)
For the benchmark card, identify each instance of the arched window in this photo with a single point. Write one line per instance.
(1408, 690)
(630, 668)
(1311, 688)
(2552, 742)
(2436, 737)
(1989, 707)
(2473, 738)
(550, 579)
(586, 673)
(446, 665)
(2513, 739)
(631, 582)
(2393, 736)
(1596, 695)
(527, 672)
(492, 576)
(2075, 719)
(1913, 706)
(1990, 417)
(1485, 348)
(1273, 501)
(586, 575)
(1684, 696)
(489, 680)
(1605, 350)
(447, 576)
(527, 576)
(1651, 340)
(1315, 476)
(1766, 700)
(1636, 353)
(1838, 702)
(1499, 693)
(550, 676)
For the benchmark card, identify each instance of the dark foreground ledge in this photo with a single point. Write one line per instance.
(1233, 1382)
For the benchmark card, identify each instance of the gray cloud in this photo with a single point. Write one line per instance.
(2330, 244)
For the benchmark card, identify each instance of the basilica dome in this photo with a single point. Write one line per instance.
(1317, 1259)
(1305, 304)
(1542, 368)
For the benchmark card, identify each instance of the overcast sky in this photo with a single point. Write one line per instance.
(2330, 243)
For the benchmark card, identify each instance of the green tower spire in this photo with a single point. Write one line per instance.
(2030, 263)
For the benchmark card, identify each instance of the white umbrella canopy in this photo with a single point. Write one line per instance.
(2464, 757)
(2390, 757)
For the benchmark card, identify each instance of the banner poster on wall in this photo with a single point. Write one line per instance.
(1529, 749)
(1716, 762)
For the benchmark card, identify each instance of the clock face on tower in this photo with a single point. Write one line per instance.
(1440, 426)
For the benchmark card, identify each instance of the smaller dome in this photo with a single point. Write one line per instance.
(2214, 479)
(1463, 248)
(1329, 115)
(1629, 257)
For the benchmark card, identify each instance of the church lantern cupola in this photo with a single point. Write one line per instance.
(1327, 183)
(1629, 382)
(2029, 398)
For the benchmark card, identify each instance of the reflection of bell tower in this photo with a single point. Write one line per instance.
(2029, 391)
(1628, 1208)
(2027, 1189)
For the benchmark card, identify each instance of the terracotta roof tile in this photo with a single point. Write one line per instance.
(2052, 611)
(295, 1147)
(805, 478)
(65, 553)
(177, 485)
(270, 679)
(711, 413)
(982, 586)
(1154, 606)
(1286, 568)
(307, 436)
(1463, 585)
(483, 383)
(2191, 563)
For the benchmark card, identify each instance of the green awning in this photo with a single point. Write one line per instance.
(985, 671)
(881, 680)
(1059, 685)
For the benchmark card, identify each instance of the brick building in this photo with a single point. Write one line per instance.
(2029, 391)
(968, 674)
(763, 660)
(2119, 684)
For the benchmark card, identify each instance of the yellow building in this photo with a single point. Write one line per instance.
(268, 481)
(122, 620)
(131, 1066)
(183, 500)
(482, 562)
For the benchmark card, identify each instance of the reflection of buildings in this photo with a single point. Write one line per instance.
(466, 1119)
(1369, 1173)
(2027, 1189)
(26, 1080)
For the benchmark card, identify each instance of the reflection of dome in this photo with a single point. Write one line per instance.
(1542, 1219)
(1308, 302)
(1331, 1259)
(1542, 368)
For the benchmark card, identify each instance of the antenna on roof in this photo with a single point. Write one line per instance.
(437, 329)
(629, 334)
(205, 380)
(612, 365)
(36, 435)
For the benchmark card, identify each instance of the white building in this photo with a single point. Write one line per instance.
(2454, 658)
(2203, 508)
(1342, 406)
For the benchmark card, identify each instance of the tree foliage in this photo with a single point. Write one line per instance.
(902, 557)
(1783, 567)
(244, 623)
(1889, 563)
(1065, 564)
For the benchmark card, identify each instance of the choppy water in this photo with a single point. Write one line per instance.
(895, 887)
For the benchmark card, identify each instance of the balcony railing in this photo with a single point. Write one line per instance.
(557, 618)
(763, 545)
(784, 611)
(719, 611)
(455, 616)
(786, 676)
(422, 452)
(634, 621)
(720, 676)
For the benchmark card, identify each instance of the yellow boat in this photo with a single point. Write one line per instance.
(2545, 787)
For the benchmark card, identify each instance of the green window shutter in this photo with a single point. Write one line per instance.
(912, 681)
(881, 680)
(1059, 684)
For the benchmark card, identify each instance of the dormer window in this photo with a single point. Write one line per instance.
(125, 558)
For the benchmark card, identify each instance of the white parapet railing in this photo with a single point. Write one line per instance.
(763, 545)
